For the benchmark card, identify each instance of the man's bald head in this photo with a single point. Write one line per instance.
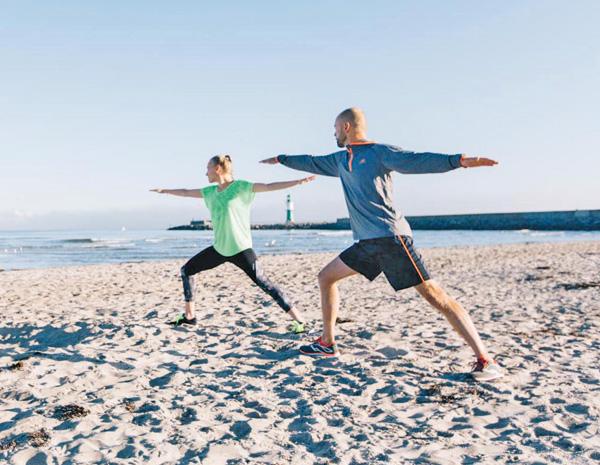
(354, 116)
(350, 124)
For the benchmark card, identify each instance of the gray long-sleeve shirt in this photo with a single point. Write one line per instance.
(365, 171)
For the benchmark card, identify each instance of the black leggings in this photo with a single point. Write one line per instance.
(245, 260)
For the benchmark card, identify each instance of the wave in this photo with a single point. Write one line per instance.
(110, 245)
(93, 242)
(11, 250)
(86, 240)
(553, 233)
(334, 233)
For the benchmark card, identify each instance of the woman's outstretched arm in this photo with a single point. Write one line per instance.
(275, 186)
(180, 192)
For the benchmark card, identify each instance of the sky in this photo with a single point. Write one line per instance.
(101, 101)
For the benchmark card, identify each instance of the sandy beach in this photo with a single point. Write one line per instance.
(91, 373)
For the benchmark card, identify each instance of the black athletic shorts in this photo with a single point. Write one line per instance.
(395, 256)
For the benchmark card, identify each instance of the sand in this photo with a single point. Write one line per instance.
(90, 372)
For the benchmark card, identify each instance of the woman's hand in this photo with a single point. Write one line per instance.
(306, 180)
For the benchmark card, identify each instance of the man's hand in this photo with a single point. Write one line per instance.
(270, 161)
(474, 162)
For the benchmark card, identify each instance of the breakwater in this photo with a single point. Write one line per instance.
(574, 220)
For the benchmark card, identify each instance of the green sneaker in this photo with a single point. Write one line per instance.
(182, 320)
(296, 327)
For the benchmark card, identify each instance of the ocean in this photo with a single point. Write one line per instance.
(45, 249)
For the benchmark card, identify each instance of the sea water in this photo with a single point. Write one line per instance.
(43, 249)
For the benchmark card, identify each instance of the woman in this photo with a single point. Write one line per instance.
(229, 204)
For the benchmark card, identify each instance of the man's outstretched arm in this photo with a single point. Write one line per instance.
(427, 162)
(325, 165)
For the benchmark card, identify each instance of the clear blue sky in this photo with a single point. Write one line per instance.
(100, 101)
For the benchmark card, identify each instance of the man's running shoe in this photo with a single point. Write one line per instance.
(296, 327)
(320, 348)
(486, 370)
(182, 320)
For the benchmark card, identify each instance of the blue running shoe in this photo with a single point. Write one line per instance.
(320, 348)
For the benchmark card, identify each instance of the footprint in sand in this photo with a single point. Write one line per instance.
(577, 409)
(188, 416)
(257, 406)
(392, 352)
(161, 381)
(146, 417)
(31, 457)
(241, 429)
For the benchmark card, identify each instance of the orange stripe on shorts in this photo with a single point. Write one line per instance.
(411, 259)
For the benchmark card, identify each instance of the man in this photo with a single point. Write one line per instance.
(384, 238)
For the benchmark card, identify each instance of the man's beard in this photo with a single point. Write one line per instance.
(340, 143)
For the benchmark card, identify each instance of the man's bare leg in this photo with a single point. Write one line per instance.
(455, 314)
(333, 272)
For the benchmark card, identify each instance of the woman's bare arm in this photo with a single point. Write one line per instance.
(180, 192)
(275, 186)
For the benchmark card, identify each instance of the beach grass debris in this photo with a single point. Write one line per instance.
(17, 366)
(578, 286)
(38, 438)
(70, 411)
(447, 395)
(8, 444)
(129, 406)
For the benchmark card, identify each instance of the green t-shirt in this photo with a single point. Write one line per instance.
(230, 216)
